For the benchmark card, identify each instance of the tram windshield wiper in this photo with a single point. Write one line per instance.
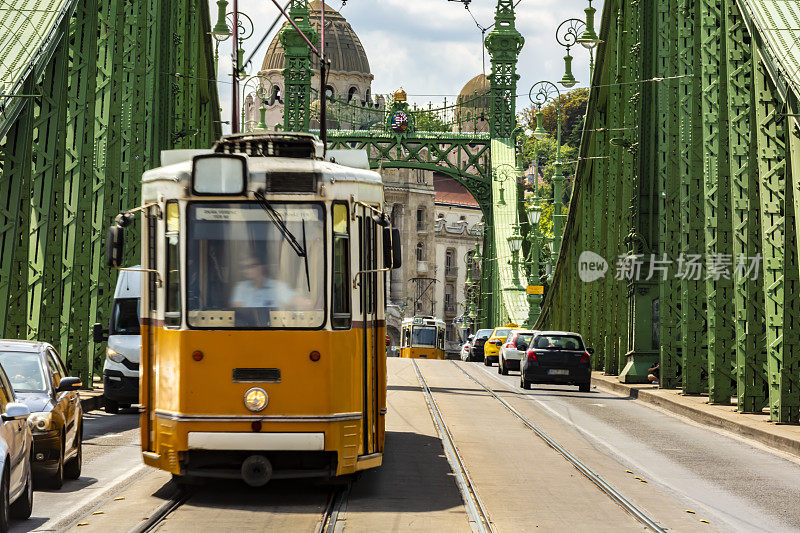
(299, 249)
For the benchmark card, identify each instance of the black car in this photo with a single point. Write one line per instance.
(557, 357)
(476, 350)
(40, 381)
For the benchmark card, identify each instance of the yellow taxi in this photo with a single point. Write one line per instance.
(491, 350)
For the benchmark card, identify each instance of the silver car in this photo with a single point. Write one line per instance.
(16, 447)
(513, 350)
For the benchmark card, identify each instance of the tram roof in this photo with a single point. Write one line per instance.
(174, 180)
(423, 321)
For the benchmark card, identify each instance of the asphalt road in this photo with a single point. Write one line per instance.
(744, 486)
(111, 459)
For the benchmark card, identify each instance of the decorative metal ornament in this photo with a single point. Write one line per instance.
(399, 122)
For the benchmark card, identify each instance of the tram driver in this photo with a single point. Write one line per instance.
(261, 288)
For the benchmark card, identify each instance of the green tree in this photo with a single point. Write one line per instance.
(545, 151)
(429, 121)
(574, 108)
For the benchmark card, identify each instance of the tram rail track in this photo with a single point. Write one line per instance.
(334, 507)
(475, 509)
(606, 488)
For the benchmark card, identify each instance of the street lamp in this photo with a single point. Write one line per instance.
(534, 214)
(589, 38)
(240, 29)
(541, 93)
(502, 174)
(573, 31)
(514, 244)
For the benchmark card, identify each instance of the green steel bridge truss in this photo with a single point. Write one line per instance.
(691, 155)
(93, 90)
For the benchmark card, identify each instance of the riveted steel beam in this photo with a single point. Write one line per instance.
(750, 348)
(47, 200)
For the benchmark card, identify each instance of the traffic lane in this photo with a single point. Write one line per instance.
(523, 483)
(111, 457)
(414, 489)
(742, 484)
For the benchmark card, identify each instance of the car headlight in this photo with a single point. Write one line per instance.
(256, 399)
(40, 422)
(114, 356)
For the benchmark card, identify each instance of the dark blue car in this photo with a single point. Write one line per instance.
(557, 357)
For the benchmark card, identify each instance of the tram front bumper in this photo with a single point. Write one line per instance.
(218, 440)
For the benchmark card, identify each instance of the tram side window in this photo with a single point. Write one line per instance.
(341, 317)
(440, 339)
(172, 314)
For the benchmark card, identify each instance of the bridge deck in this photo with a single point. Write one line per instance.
(663, 465)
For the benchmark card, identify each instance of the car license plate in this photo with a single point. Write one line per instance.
(558, 372)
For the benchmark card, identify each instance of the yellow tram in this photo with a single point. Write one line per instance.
(262, 311)
(422, 337)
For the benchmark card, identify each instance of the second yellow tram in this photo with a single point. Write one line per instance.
(262, 311)
(423, 338)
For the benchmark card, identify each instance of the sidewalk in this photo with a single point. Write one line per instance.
(757, 427)
(92, 399)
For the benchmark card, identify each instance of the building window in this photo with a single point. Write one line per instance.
(421, 219)
(275, 96)
(449, 301)
(450, 262)
(420, 251)
(329, 92)
(352, 93)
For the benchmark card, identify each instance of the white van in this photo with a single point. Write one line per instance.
(121, 368)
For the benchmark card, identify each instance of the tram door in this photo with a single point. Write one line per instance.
(368, 262)
(149, 308)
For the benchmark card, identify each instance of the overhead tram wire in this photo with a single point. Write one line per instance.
(266, 35)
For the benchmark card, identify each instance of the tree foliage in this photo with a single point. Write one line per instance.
(429, 121)
(574, 107)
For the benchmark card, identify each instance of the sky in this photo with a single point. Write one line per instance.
(431, 48)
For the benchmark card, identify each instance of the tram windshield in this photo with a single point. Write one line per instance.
(242, 272)
(423, 336)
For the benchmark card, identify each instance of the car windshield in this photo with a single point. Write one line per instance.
(559, 342)
(502, 333)
(483, 334)
(523, 338)
(24, 370)
(125, 317)
(243, 272)
(423, 336)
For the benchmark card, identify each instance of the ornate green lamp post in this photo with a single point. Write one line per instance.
(540, 94)
(514, 244)
(573, 31)
(241, 29)
(534, 214)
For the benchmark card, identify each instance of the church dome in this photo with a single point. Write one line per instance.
(342, 45)
(477, 86)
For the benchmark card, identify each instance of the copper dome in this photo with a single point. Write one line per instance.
(342, 45)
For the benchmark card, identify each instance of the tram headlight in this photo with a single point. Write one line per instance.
(219, 174)
(256, 399)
